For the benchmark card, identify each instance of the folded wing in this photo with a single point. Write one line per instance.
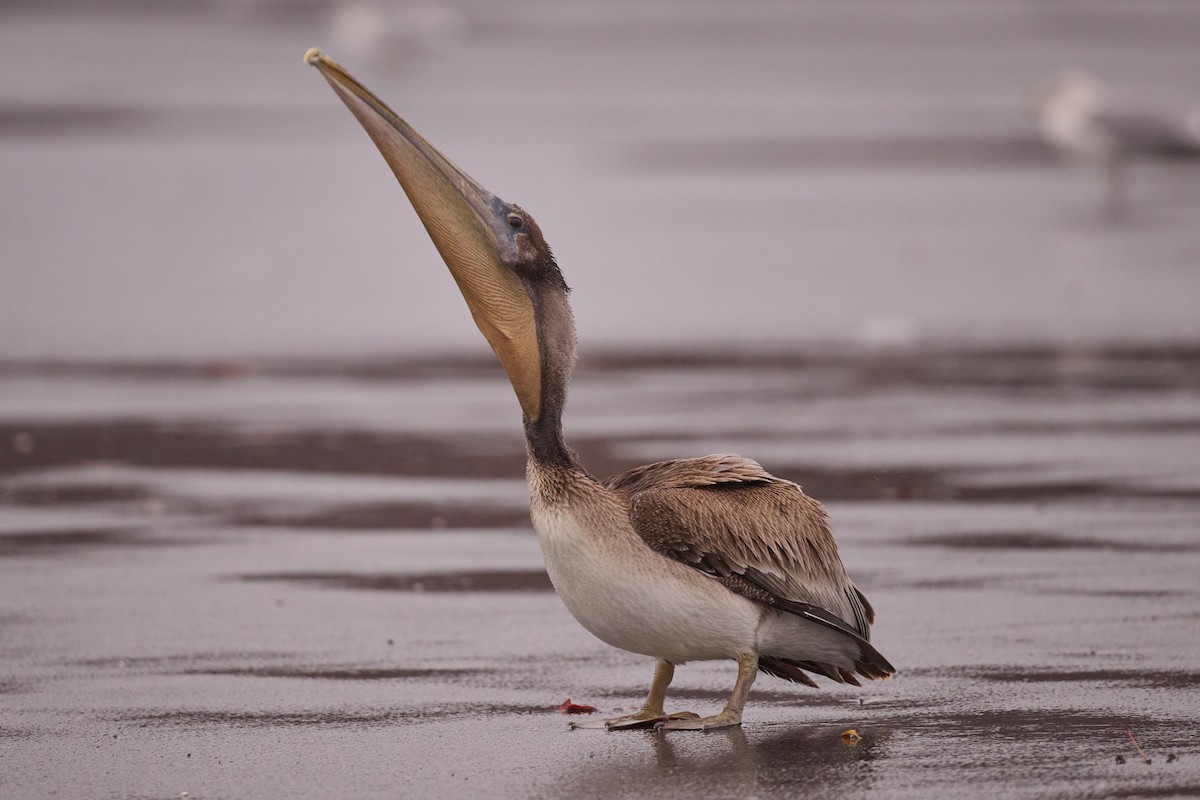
(760, 537)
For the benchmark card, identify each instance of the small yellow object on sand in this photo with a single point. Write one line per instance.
(851, 737)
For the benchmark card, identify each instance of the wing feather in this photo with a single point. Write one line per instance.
(725, 515)
(759, 536)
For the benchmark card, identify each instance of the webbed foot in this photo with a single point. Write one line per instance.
(642, 720)
(731, 715)
(726, 719)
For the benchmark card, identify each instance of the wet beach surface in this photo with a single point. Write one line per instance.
(243, 555)
(318, 579)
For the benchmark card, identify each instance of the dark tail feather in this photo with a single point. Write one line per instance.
(788, 670)
(848, 677)
(871, 663)
(794, 670)
(828, 670)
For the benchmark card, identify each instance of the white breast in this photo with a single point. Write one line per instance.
(633, 598)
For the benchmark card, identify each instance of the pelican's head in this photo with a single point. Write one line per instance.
(494, 249)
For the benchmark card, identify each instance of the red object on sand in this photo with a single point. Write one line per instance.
(568, 707)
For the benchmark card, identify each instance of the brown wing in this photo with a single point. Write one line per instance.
(759, 535)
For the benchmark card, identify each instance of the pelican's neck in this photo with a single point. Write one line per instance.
(556, 352)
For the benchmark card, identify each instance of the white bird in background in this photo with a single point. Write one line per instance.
(1077, 118)
(395, 33)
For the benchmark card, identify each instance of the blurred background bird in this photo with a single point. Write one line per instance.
(1079, 118)
(393, 34)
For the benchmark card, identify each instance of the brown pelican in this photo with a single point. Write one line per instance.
(688, 560)
(1077, 119)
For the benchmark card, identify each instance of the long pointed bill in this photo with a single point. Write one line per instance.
(467, 224)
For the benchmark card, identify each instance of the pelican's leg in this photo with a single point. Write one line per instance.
(732, 713)
(1116, 201)
(651, 710)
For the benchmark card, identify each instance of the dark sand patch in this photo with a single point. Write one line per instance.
(1007, 581)
(393, 516)
(14, 733)
(87, 120)
(1175, 790)
(1162, 679)
(74, 495)
(1051, 367)
(1131, 594)
(39, 120)
(66, 542)
(198, 445)
(1160, 365)
(297, 719)
(1042, 540)
(452, 455)
(1040, 724)
(945, 484)
(211, 446)
(534, 580)
(215, 446)
(1068, 490)
(981, 582)
(338, 673)
(846, 484)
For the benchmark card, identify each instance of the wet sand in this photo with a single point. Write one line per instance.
(307, 580)
(243, 557)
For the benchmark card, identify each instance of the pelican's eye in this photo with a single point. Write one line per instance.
(515, 222)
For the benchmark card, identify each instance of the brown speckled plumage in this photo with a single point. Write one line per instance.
(727, 516)
(759, 536)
